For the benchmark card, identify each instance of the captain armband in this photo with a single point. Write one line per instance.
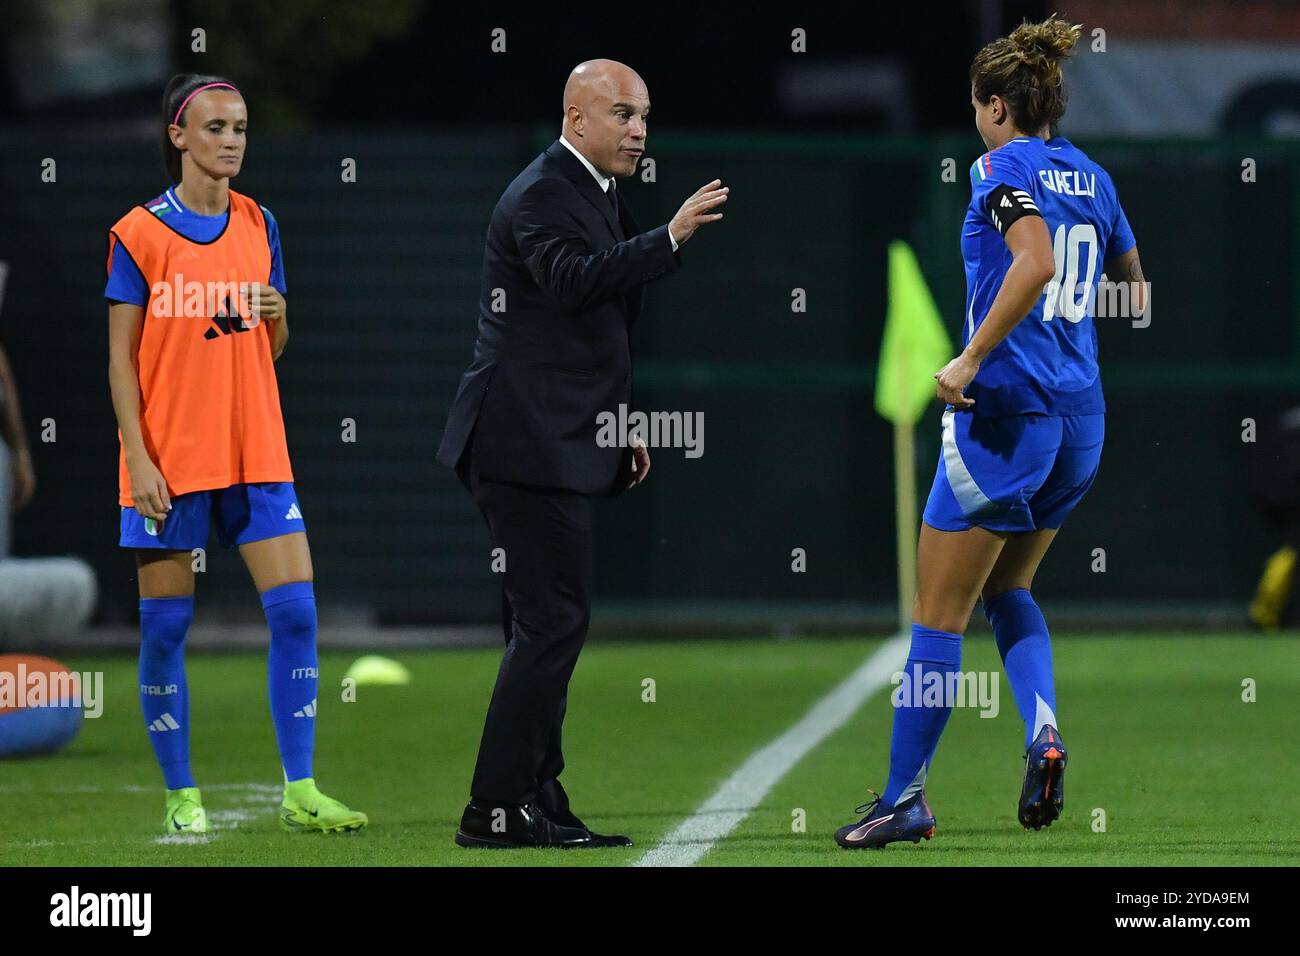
(1005, 205)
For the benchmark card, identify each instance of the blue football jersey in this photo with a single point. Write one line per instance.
(1048, 362)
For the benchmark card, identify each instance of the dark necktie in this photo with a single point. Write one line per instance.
(612, 195)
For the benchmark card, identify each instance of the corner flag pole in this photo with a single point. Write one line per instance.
(915, 344)
(905, 519)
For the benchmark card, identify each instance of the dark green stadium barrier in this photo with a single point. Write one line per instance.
(383, 287)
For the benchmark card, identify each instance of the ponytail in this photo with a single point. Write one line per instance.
(1025, 70)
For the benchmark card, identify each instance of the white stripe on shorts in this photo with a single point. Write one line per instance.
(972, 500)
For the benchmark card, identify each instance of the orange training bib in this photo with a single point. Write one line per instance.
(209, 401)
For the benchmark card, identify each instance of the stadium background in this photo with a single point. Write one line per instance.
(383, 285)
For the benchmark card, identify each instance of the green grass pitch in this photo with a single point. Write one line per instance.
(1160, 741)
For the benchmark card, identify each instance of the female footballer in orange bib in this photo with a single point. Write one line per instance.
(197, 318)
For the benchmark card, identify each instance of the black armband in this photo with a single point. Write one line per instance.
(1005, 205)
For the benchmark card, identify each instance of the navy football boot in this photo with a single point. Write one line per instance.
(910, 819)
(1043, 793)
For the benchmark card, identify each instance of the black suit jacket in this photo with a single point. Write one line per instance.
(562, 283)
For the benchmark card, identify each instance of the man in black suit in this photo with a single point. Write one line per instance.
(563, 275)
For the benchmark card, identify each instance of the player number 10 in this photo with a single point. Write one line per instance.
(1060, 291)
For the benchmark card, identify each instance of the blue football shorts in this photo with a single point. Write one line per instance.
(1014, 474)
(240, 513)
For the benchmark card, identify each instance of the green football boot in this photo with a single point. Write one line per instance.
(306, 809)
(184, 812)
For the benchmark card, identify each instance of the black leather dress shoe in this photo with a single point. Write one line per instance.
(554, 802)
(599, 840)
(509, 826)
(566, 818)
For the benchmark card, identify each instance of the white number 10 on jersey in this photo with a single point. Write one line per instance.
(1060, 292)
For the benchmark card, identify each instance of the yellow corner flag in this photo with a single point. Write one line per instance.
(915, 345)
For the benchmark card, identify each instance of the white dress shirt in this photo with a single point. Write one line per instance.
(604, 182)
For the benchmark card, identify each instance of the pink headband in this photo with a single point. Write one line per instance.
(186, 101)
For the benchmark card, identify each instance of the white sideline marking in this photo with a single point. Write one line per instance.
(740, 793)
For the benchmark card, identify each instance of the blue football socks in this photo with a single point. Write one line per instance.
(1026, 650)
(292, 673)
(919, 724)
(164, 697)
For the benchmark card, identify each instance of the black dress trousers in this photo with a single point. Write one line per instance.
(546, 534)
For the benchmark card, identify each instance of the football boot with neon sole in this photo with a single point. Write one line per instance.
(305, 809)
(1042, 795)
(184, 812)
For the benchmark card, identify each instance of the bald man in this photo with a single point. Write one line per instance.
(564, 271)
